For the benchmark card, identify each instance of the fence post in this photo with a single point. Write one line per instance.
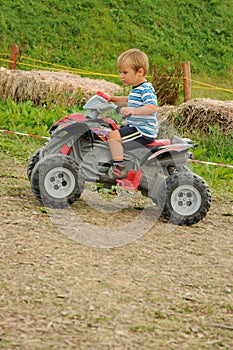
(13, 56)
(186, 80)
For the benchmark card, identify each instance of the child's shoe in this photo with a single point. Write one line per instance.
(117, 172)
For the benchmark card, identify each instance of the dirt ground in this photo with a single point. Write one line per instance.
(171, 288)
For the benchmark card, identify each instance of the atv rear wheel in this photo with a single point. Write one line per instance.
(184, 199)
(56, 181)
(32, 162)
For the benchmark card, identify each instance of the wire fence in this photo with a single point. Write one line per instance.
(53, 66)
(39, 64)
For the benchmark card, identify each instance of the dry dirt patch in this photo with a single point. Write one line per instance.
(170, 289)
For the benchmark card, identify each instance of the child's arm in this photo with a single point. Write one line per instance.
(144, 110)
(120, 100)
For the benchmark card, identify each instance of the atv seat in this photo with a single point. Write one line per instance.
(156, 143)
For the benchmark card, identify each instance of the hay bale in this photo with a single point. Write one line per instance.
(166, 125)
(200, 114)
(42, 87)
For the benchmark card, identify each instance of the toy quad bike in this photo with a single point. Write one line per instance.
(77, 151)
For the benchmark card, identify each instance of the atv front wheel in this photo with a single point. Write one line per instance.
(184, 199)
(32, 162)
(56, 181)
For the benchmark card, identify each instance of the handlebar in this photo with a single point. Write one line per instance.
(98, 104)
(102, 94)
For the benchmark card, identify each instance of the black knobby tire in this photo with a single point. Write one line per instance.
(32, 162)
(175, 170)
(184, 199)
(57, 181)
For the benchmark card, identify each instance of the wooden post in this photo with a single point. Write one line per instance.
(13, 56)
(186, 80)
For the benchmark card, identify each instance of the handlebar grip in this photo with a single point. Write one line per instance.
(102, 94)
(118, 109)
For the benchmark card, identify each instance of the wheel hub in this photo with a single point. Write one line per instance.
(59, 182)
(186, 200)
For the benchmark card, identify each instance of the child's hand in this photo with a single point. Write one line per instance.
(108, 97)
(105, 96)
(127, 111)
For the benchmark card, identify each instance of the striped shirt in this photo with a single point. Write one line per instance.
(139, 96)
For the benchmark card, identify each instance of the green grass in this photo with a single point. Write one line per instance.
(217, 148)
(26, 118)
(90, 34)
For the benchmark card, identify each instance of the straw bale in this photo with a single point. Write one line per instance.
(201, 114)
(42, 87)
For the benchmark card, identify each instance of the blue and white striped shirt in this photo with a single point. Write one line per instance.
(139, 96)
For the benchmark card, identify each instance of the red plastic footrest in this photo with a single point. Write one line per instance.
(132, 181)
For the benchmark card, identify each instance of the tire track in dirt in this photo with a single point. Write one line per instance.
(170, 289)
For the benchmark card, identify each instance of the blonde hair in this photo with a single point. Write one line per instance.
(135, 59)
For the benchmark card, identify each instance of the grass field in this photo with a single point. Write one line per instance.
(89, 35)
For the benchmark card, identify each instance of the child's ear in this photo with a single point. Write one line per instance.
(141, 71)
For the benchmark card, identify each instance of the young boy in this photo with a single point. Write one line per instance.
(139, 109)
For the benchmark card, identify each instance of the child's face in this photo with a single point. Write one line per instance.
(128, 75)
